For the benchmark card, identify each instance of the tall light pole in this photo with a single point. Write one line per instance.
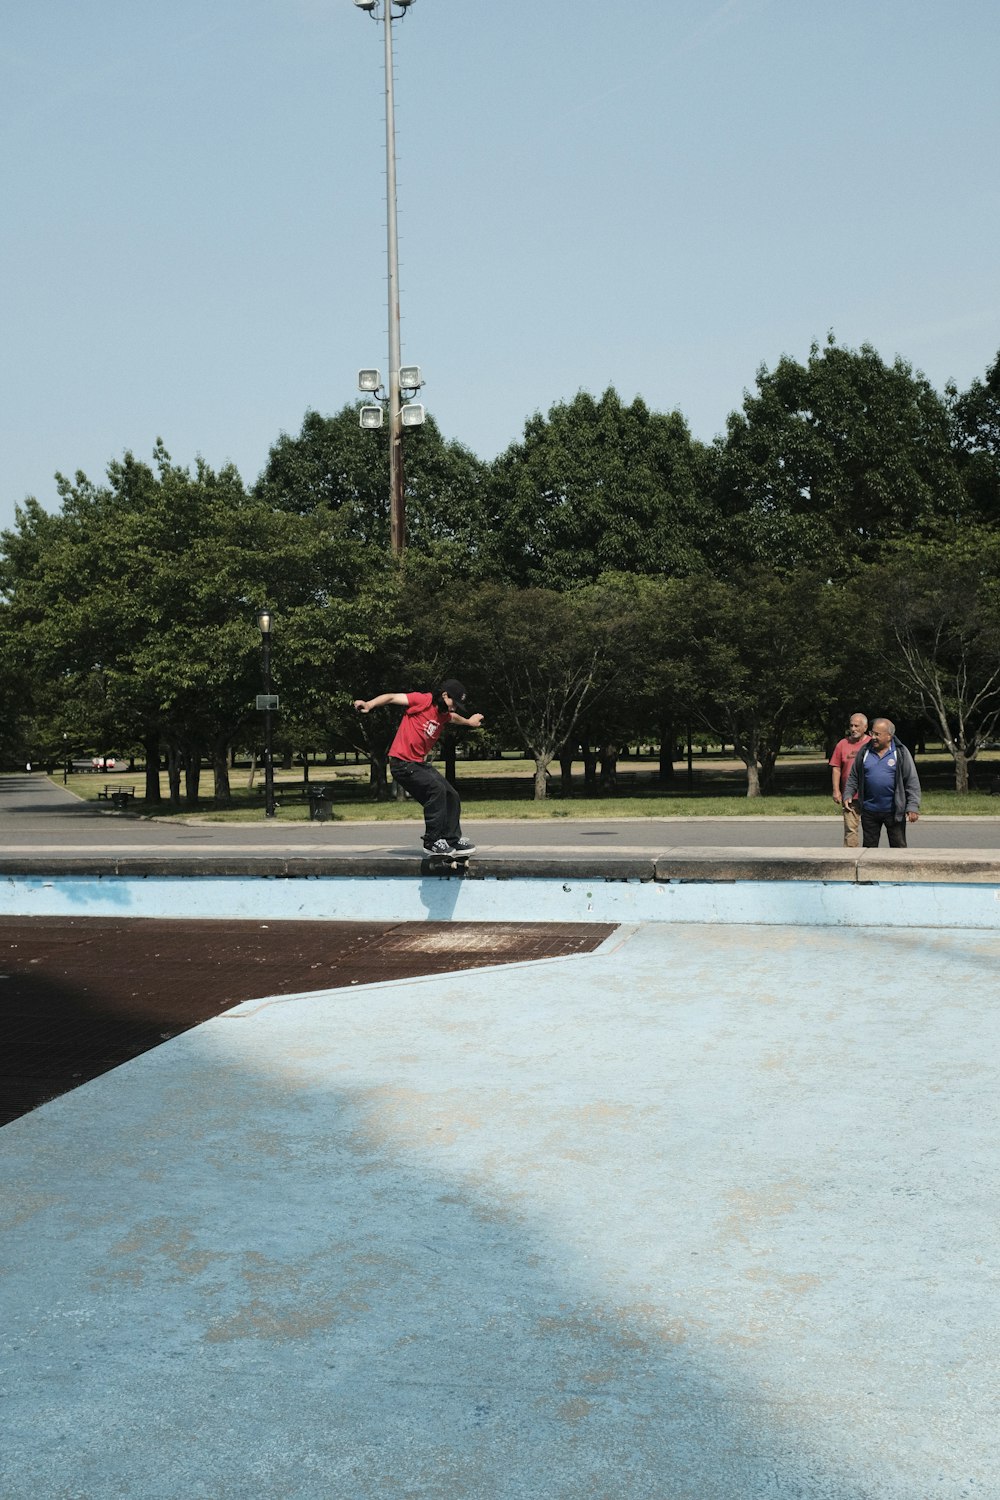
(397, 503)
(267, 701)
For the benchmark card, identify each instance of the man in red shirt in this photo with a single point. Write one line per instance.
(427, 714)
(842, 760)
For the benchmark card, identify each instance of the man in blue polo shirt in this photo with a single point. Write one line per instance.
(883, 779)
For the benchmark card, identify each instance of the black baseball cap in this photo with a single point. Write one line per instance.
(455, 691)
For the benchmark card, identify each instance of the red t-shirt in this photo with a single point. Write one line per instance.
(843, 756)
(419, 729)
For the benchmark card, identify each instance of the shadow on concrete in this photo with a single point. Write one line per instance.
(250, 1290)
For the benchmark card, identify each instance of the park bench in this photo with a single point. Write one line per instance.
(316, 793)
(120, 796)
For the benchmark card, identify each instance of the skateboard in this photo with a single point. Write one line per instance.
(439, 863)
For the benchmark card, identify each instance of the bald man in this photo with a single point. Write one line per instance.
(884, 780)
(841, 762)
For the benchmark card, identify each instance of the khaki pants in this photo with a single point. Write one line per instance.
(852, 822)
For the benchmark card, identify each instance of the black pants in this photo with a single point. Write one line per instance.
(441, 803)
(872, 825)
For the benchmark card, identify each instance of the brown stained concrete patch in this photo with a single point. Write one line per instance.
(260, 1320)
(576, 1410)
(600, 1112)
(83, 995)
(754, 1332)
(752, 1209)
(662, 1328)
(410, 1117)
(157, 1241)
(783, 1283)
(610, 1325)
(25, 1206)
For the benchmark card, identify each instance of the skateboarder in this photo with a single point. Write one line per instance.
(419, 730)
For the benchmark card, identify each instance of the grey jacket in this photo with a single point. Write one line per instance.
(906, 792)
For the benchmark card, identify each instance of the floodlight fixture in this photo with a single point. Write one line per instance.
(412, 414)
(369, 380)
(368, 5)
(410, 378)
(371, 417)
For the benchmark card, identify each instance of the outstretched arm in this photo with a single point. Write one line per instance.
(472, 722)
(365, 706)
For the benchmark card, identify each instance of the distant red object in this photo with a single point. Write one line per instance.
(103, 762)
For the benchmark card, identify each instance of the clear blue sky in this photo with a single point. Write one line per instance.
(655, 194)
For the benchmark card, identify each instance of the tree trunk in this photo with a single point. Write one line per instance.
(151, 745)
(961, 768)
(174, 774)
(220, 769)
(665, 770)
(450, 761)
(253, 770)
(589, 768)
(753, 778)
(377, 778)
(541, 777)
(192, 774)
(768, 761)
(609, 768)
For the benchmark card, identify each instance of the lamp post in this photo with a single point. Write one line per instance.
(397, 382)
(264, 622)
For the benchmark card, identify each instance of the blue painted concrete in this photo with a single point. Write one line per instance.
(809, 903)
(708, 1215)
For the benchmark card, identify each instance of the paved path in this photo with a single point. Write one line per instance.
(36, 815)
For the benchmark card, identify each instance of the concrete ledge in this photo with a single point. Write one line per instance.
(933, 867)
(673, 866)
(570, 866)
(326, 866)
(758, 864)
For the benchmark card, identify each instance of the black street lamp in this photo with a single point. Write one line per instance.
(264, 621)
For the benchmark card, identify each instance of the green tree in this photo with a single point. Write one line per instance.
(148, 585)
(334, 466)
(597, 486)
(939, 601)
(756, 657)
(535, 660)
(639, 616)
(829, 460)
(976, 434)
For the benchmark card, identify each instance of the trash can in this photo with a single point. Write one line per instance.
(319, 804)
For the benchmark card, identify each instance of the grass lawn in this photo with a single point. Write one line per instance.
(503, 789)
